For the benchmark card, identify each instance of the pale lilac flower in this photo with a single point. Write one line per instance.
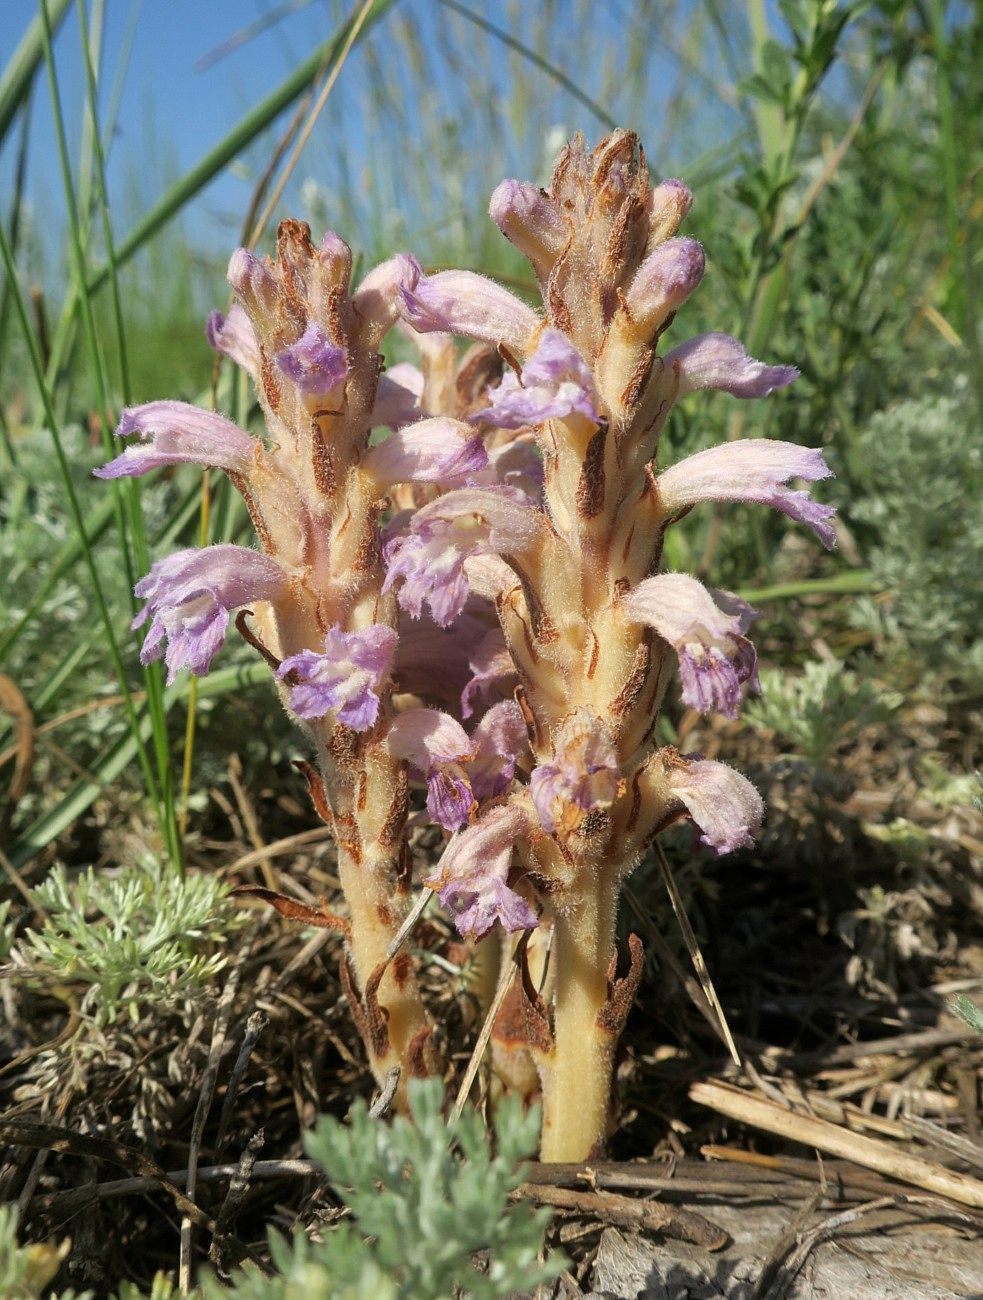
(583, 774)
(490, 664)
(516, 466)
(176, 433)
(721, 362)
(437, 746)
(345, 679)
(313, 363)
(397, 397)
(529, 219)
(723, 803)
(664, 281)
(463, 302)
(753, 470)
(189, 596)
(429, 560)
(556, 382)
(500, 740)
(438, 450)
(471, 876)
(378, 299)
(233, 335)
(715, 658)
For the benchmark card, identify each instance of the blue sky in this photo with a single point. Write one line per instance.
(172, 110)
(164, 94)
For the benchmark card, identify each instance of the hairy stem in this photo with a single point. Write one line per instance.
(577, 1074)
(392, 1017)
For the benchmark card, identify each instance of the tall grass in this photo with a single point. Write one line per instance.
(837, 176)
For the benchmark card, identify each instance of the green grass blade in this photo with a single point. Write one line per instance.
(855, 582)
(19, 72)
(132, 543)
(116, 758)
(253, 124)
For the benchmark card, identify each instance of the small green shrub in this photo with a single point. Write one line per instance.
(922, 466)
(821, 710)
(131, 937)
(425, 1197)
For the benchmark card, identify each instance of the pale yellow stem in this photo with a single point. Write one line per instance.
(375, 916)
(577, 1074)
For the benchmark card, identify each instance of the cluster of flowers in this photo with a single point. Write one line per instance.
(476, 600)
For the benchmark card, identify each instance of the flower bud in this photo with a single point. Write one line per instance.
(528, 218)
(668, 205)
(664, 280)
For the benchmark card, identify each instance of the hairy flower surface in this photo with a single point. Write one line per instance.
(189, 596)
(753, 470)
(232, 334)
(175, 433)
(583, 774)
(438, 747)
(555, 382)
(344, 679)
(462, 302)
(715, 658)
(428, 561)
(471, 876)
(313, 363)
(723, 803)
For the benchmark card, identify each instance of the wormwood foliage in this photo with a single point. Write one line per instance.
(821, 710)
(922, 465)
(132, 938)
(425, 1196)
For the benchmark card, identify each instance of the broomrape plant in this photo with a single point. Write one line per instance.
(501, 547)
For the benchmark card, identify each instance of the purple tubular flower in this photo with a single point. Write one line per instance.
(313, 363)
(377, 300)
(753, 470)
(663, 281)
(528, 218)
(233, 335)
(430, 558)
(723, 803)
(437, 746)
(345, 679)
(462, 302)
(397, 397)
(556, 382)
(583, 774)
(176, 433)
(189, 596)
(720, 361)
(715, 658)
(428, 451)
(471, 876)
(490, 663)
(500, 740)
